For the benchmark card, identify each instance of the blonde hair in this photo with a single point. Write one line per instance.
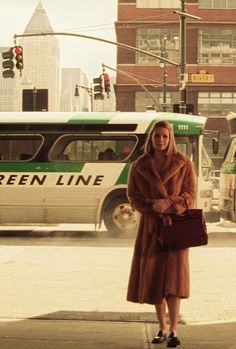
(171, 148)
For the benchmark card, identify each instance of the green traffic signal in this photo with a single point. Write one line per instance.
(98, 88)
(8, 64)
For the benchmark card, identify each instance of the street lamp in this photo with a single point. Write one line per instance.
(88, 89)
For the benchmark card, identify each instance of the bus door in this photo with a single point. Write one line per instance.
(228, 184)
(192, 147)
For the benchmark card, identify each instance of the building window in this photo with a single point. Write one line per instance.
(157, 3)
(216, 103)
(152, 40)
(217, 47)
(217, 3)
(143, 100)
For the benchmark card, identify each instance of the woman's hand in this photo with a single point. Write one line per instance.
(162, 205)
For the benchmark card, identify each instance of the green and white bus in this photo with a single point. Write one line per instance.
(73, 167)
(227, 201)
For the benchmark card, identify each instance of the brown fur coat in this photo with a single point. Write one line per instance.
(156, 274)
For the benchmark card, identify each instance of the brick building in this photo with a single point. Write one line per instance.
(152, 25)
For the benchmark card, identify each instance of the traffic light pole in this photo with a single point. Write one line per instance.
(138, 82)
(131, 48)
(35, 99)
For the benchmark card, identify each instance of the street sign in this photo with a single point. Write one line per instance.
(201, 78)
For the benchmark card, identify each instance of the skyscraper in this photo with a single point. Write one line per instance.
(70, 77)
(41, 61)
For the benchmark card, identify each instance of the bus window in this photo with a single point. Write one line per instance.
(188, 146)
(93, 148)
(19, 148)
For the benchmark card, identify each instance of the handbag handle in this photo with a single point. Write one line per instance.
(186, 203)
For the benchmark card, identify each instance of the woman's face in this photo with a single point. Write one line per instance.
(160, 138)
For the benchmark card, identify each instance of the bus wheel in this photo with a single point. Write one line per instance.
(119, 217)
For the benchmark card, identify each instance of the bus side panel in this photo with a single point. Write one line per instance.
(60, 197)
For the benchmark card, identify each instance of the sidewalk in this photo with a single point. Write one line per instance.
(74, 297)
(90, 283)
(57, 334)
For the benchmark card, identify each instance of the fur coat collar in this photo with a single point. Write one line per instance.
(146, 167)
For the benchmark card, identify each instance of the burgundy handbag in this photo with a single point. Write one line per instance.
(187, 230)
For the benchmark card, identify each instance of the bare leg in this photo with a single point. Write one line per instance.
(161, 315)
(173, 304)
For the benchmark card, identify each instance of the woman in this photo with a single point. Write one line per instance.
(161, 182)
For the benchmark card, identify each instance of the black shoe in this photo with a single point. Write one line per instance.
(172, 341)
(160, 337)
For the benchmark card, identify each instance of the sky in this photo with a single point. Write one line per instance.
(87, 17)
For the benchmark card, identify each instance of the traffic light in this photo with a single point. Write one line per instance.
(8, 64)
(98, 88)
(107, 84)
(18, 50)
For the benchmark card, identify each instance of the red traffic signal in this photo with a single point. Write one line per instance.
(107, 84)
(18, 50)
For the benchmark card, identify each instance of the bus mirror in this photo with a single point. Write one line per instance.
(215, 145)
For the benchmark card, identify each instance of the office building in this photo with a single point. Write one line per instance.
(154, 26)
(75, 90)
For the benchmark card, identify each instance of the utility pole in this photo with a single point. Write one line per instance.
(182, 89)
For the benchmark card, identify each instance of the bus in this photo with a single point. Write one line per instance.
(59, 167)
(227, 197)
